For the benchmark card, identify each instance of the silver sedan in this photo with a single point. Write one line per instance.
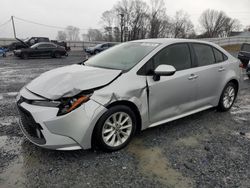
(133, 86)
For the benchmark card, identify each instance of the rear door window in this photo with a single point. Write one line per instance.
(219, 56)
(105, 45)
(204, 54)
(42, 46)
(50, 46)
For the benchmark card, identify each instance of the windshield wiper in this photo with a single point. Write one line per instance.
(83, 62)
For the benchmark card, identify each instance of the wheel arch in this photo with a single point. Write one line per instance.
(129, 104)
(133, 107)
(236, 82)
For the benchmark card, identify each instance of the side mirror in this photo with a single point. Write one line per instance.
(163, 70)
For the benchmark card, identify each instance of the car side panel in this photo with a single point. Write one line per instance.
(171, 95)
(128, 87)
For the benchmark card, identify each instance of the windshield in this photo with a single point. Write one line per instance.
(98, 45)
(35, 45)
(123, 56)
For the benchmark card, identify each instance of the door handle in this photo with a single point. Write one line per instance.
(196, 76)
(221, 69)
(193, 76)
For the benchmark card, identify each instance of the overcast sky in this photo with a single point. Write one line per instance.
(86, 13)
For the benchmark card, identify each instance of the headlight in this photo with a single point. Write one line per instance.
(69, 104)
(46, 103)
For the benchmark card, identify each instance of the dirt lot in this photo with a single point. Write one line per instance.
(209, 149)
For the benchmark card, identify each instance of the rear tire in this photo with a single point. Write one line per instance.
(228, 97)
(57, 55)
(115, 129)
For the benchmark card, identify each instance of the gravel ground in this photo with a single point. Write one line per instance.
(208, 149)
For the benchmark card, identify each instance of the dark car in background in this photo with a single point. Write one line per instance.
(244, 54)
(42, 49)
(61, 43)
(248, 70)
(99, 48)
(27, 42)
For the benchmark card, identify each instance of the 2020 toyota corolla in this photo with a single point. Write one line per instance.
(130, 87)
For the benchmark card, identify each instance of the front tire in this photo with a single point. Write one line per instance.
(115, 128)
(24, 56)
(96, 52)
(228, 97)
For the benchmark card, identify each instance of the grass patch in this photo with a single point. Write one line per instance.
(232, 48)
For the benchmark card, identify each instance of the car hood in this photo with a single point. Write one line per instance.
(90, 48)
(71, 80)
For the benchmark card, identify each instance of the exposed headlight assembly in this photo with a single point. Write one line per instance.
(69, 104)
(46, 103)
(65, 105)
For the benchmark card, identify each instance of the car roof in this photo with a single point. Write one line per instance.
(45, 43)
(172, 40)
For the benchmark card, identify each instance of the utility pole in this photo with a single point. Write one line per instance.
(122, 18)
(13, 25)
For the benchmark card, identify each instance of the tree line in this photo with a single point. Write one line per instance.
(136, 19)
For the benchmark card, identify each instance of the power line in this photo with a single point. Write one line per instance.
(5, 23)
(45, 25)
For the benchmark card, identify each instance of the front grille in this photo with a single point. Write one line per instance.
(30, 128)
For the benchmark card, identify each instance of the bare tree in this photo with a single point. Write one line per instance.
(134, 19)
(108, 18)
(137, 24)
(61, 36)
(94, 35)
(247, 28)
(157, 17)
(116, 32)
(122, 12)
(217, 23)
(72, 33)
(230, 26)
(182, 27)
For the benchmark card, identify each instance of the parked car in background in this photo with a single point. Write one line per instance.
(99, 48)
(61, 43)
(131, 87)
(248, 70)
(244, 54)
(3, 51)
(27, 42)
(42, 49)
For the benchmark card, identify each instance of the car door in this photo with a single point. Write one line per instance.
(210, 74)
(50, 50)
(105, 46)
(172, 95)
(40, 50)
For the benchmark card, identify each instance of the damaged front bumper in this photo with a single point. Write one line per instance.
(43, 127)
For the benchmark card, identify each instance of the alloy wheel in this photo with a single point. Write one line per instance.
(229, 96)
(117, 129)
